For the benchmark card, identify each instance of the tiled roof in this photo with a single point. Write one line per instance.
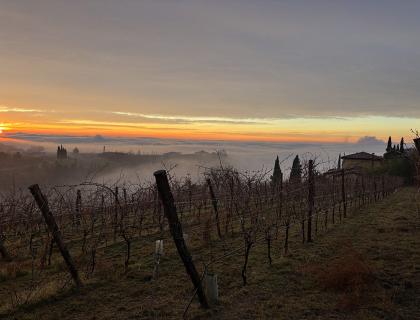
(362, 156)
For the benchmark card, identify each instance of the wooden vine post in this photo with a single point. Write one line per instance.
(3, 251)
(78, 207)
(42, 203)
(280, 201)
(417, 144)
(311, 203)
(214, 203)
(383, 186)
(175, 227)
(343, 193)
(116, 207)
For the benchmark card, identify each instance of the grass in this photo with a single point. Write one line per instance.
(367, 267)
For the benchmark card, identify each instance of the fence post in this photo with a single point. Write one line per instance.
(417, 144)
(280, 196)
(333, 200)
(78, 207)
(176, 232)
(55, 231)
(286, 237)
(343, 193)
(116, 205)
(383, 186)
(214, 203)
(3, 251)
(363, 190)
(375, 190)
(311, 203)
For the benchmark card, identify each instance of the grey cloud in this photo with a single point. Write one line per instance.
(370, 140)
(237, 58)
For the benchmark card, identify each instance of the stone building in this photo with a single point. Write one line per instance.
(362, 160)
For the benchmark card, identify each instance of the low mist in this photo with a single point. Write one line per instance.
(33, 158)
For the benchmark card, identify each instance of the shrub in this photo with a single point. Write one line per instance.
(349, 275)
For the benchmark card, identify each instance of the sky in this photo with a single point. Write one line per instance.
(280, 71)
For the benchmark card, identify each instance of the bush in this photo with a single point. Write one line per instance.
(349, 275)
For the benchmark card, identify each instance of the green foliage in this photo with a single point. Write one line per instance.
(389, 145)
(277, 174)
(401, 167)
(296, 172)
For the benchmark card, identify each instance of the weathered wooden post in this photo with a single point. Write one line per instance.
(229, 218)
(42, 203)
(116, 205)
(124, 209)
(286, 237)
(383, 186)
(175, 228)
(3, 251)
(280, 202)
(333, 199)
(190, 195)
(363, 190)
(417, 144)
(311, 202)
(214, 203)
(375, 190)
(78, 207)
(343, 193)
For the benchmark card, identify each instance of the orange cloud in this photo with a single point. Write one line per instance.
(120, 123)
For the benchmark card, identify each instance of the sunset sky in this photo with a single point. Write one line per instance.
(294, 71)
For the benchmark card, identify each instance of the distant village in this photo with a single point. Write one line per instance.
(370, 160)
(396, 160)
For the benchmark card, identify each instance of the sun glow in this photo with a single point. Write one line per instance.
(130, 124)
(4, 127)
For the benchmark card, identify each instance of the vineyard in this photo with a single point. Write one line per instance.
(71, 237)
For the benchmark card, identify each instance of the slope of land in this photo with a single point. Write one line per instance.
(366, 267)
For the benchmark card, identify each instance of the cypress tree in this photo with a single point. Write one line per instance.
(275, 178)
(296, 172)
(389, 145)
(402, 145)
(339, 162)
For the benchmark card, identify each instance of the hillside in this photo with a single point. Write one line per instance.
(367, 267)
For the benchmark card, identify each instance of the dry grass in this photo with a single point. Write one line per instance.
(349, 275)
(376, 275)
(13, 270)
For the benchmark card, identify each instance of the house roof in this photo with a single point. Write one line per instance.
(338, 172)
(362, 156)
